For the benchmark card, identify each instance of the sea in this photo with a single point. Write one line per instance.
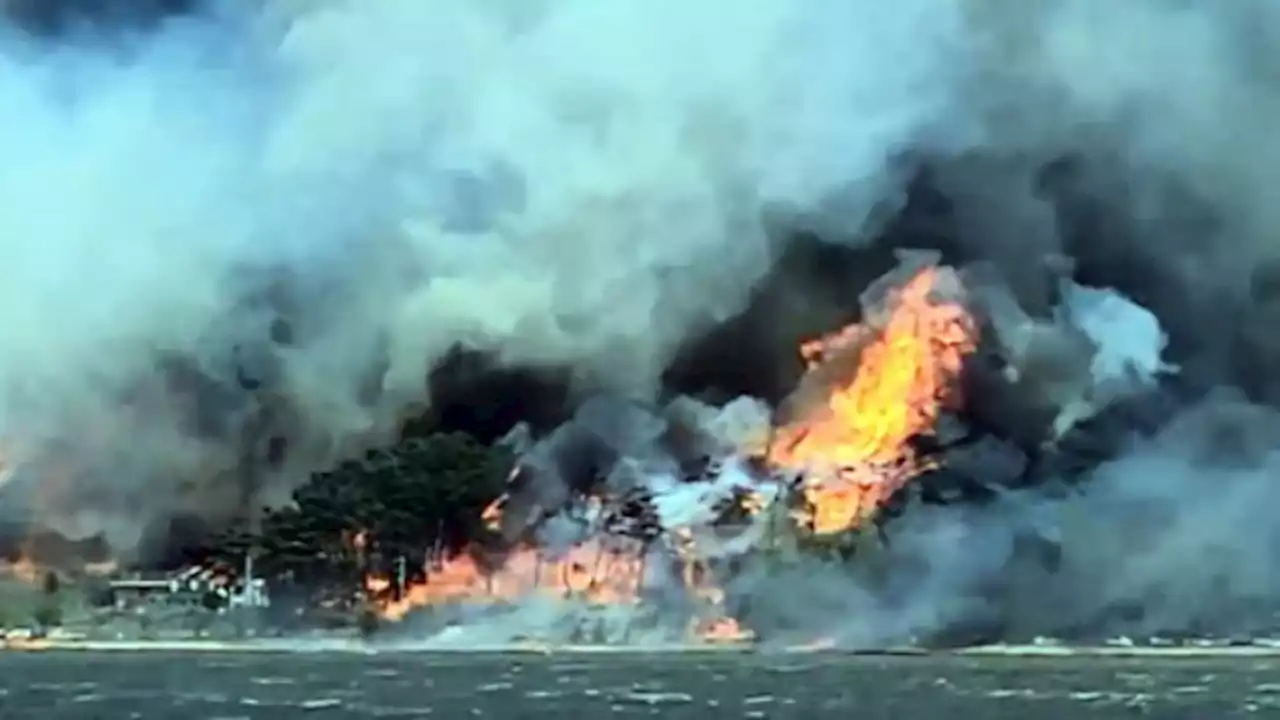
(461, 685)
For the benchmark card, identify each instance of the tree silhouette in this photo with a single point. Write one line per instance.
(402, 501)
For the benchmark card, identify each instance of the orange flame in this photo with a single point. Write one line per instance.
(857, 441)
(491, 518)
(592, 572)
(856, 444)
(606, 571)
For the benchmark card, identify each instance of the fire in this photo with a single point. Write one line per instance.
(603, 571)
(492, 515)
(595, 572)
(856, 442)
(592, 572)
(854, 447)
(714, 624)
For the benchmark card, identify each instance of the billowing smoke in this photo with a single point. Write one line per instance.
(272, 222)
(1052, 557)
(236, 243)
(1160, 113)
(1171, 539)
(1168, 196)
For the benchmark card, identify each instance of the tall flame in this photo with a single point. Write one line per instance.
(856, 441)
(855, 446)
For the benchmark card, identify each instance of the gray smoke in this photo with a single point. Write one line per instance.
(278, 218)
(1174, 538)
(1176, 101)
(554, 183)
(1166, 109)
(1022, 564)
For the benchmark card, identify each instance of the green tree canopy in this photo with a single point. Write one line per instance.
(406, 499)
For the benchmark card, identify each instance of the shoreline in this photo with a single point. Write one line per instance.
(350, 647)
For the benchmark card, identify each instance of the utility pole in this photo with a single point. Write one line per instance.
(437, 549)
(240, 602)
(402, 576)
(253, 593)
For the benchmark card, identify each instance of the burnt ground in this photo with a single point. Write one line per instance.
(191, 686)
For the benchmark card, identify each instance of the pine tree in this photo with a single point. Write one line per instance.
(403, 501)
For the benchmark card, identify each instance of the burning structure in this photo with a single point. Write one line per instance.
(634, 232)
(625, 504)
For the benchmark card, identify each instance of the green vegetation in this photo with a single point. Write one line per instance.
(19, 601)
(399, 502)
(48, 608)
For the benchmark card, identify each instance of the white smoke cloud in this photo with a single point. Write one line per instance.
(554, 182)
